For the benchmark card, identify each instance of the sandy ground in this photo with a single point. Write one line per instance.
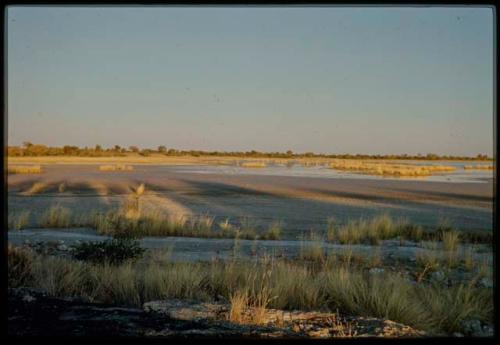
(302, 203)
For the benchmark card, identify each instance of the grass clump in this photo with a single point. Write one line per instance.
(311, 248)
(116, 167)
(18, 221)
(24, 169)
(451, 240)
(56, 217)
(273, 231)
(364, 231)
(20, 265)
(388, 169)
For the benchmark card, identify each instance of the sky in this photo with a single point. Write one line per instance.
(372, 80)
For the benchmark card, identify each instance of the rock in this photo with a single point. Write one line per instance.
(488, 330)
(187, 309)
(60, 242)
(28, 298)
(376, 270)
(321, 333)
(485, 282)
(437, 276)
(62, 247)
(457, 335)
(472, 327)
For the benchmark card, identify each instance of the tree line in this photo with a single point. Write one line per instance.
(30, 149)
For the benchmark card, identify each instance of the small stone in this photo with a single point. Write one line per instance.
(437, 276)
(28, 298)
(376, 270)
(62, 247)
(457, 335)
(485, 282)
(472, 327)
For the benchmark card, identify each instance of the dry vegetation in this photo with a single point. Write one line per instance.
(478, 167)
(253, 164)
(24, 169)
(389, 169)
(116, 167)
(265, 284)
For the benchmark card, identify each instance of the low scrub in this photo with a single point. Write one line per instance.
(389, 169)
(57, 217)
(114, 252)
(18, 221)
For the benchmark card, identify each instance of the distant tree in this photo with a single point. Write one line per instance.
(98, 148)
(133, 148)
(117, 148)
(27, 144)
(162, 149)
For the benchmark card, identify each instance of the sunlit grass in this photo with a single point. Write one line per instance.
(253, 164)
(116, 167)
(479, 167)
(24, 169)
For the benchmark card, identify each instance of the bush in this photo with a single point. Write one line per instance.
(19, 265)
(114, 252)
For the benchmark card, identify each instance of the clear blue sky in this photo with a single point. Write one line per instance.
(325, 79)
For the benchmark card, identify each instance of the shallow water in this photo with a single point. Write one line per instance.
(460, 175)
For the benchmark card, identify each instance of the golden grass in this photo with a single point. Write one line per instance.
(239, 302)
(24, 169)
(57, 217)
(18, 221)
(116, 167)
(253, 164)
(36, 188)
(478, 167)
(388, 169)
(451, 240)
(365, 231)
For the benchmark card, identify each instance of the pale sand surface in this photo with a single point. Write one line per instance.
(302, 203)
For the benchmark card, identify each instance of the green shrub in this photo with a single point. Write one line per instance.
(114, 252)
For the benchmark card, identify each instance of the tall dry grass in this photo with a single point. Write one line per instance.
(18, 220)
(270, 284)
(57, 217)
